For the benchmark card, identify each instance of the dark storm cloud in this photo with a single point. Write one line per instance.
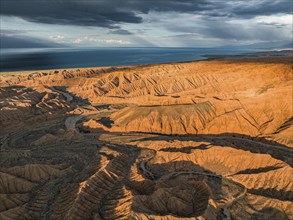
(8, 32)
(69, 12)
(267, 7)
(110, 13)
(14, 32)
(120, 32)
(274, 24)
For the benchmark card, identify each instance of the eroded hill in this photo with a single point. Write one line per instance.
(203, 140)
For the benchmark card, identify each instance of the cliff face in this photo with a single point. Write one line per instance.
(204, 140)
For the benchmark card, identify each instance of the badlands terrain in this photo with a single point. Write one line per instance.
(200, 140)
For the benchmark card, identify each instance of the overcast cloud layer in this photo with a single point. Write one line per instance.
(149, 22)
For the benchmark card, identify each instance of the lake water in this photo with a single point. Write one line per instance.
(56, 58)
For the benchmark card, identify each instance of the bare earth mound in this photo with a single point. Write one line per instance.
(203, 140)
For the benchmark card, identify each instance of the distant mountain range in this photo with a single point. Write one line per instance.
(25, 42)
(262, 46)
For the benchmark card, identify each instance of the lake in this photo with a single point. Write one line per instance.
(56, 58)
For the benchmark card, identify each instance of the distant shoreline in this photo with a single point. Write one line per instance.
(271, 53)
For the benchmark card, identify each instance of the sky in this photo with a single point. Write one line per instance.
(144, 23)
